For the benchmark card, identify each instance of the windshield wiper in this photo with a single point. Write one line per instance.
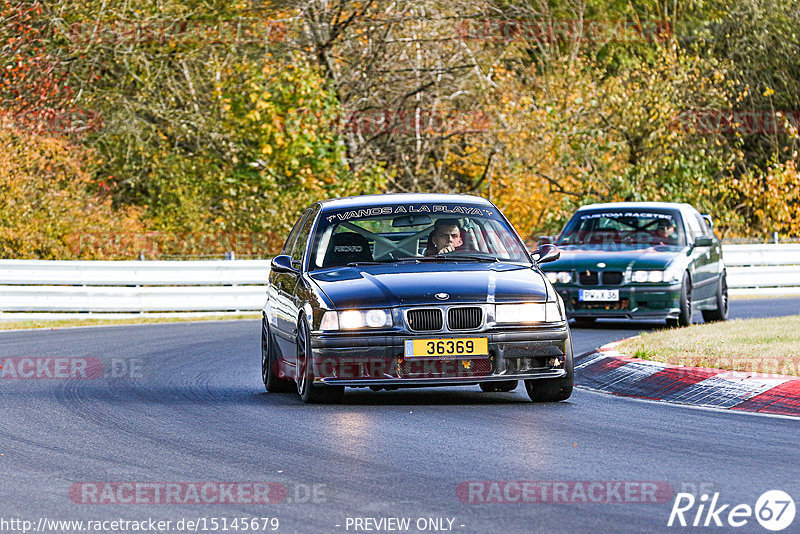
(357, 263)
(438, 257)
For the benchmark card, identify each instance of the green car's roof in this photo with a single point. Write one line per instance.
(637, 205)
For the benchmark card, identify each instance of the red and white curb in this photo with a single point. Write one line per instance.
(613, 372)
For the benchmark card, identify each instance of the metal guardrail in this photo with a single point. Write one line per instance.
(229, 286)
(132, 286)
(767, 270)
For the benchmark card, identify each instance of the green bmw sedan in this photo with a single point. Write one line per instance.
(640, 260)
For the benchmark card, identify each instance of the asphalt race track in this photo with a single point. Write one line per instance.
(189, 407)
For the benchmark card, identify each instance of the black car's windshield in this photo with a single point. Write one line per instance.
(419, 232)
(623, 227)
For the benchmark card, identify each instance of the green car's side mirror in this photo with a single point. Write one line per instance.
(703, 241)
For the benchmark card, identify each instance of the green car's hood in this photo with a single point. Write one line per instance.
(616, 258)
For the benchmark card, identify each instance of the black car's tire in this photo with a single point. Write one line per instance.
(685, 316)
(269, 375)
(503, 386)
(583, 322)
(721, 312)
(554, 389)
(310, 393)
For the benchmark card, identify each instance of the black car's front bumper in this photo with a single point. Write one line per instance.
(655, 302)
(359, 360)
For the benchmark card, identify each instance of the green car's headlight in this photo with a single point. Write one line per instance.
(647, 276)
(669, 275)
(561, 277)
(354, 319)
(528, 313)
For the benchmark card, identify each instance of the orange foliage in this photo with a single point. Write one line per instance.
(46, 203)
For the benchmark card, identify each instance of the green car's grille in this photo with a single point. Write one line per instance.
(595, 278)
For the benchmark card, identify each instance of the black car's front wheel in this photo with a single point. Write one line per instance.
(721, 312)
(309, 392)
(503, 386)
(269, 364)
(554, 389)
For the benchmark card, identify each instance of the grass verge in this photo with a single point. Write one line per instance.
(766, 345)
(64, 323)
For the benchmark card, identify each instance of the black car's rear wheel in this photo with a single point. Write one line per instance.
(269, 364)
(502, 386)
(685, 316)
(309, 392)
(554, 389)
(721, 312)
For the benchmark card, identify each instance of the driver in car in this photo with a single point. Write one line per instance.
(665, 232)
(446, 237)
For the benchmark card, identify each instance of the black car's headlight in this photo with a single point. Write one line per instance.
(528, 313)
(559, 277)
(355, 319)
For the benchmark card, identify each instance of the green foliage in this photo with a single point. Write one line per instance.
(213, 132)
(288, 151)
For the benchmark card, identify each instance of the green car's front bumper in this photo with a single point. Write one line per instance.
(636, 301)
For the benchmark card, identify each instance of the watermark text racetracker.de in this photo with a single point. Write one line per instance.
(71, 368)
(564, 492)
(184, 524)
(191, 493)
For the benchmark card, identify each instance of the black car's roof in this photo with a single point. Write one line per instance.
(400, 198)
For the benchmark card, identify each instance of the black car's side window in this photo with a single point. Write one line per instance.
(289, 245)
(302, 237)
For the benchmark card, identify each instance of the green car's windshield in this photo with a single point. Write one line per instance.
(624, 227)
(402, 233)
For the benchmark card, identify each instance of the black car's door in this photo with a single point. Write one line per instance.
(293, 296)
(281, 288)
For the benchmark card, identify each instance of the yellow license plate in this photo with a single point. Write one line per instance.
(438, 348)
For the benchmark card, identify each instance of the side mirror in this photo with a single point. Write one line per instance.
(283, 264)
(546, 253)
(703, 241)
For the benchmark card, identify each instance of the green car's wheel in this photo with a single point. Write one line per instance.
(310, 393)
(685, 316)
(503, 386)
(584, 322)
(721, 312)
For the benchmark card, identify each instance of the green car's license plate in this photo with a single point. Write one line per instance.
(598, 295)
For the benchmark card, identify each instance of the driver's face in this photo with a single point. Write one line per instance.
(447, 236)
(665, 231)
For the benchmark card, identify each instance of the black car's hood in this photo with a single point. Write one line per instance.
(410, 284)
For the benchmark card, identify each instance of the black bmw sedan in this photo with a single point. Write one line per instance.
(412, 290)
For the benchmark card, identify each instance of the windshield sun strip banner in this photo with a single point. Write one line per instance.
(427, 209)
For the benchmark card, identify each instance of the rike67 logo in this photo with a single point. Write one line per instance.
(774, 510)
